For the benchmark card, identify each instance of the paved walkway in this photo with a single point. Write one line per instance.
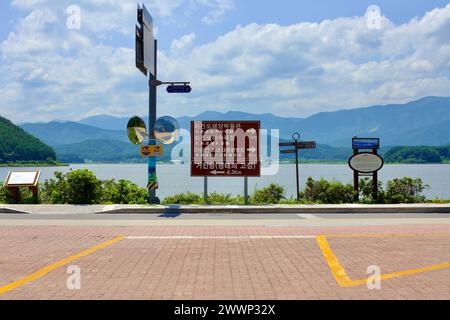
(248, 262)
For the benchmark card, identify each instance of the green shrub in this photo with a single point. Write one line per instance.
(123, 192)
(219, 198)
(366, 192)
(405, 190)
(184, 198)
(4, 194)
(272, 194)
(75, 187)
(323, 191)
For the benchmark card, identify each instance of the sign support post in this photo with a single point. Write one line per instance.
(297, 174)
(366, 163)
(246, 190)
(356, 179)
(298, 145)
(205, 189)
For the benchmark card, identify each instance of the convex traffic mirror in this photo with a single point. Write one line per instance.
(137, 131)
(167, 130)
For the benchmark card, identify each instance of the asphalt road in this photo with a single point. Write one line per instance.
(223, 219)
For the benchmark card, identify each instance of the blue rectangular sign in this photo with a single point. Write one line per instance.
(366, 143)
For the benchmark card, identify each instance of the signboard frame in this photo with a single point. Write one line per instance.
(366, 143)
(203, 172)
(366, 153)
(145, 42)
(34, 183)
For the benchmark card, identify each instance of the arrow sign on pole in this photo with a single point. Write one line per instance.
(215, 172)
(179, 88)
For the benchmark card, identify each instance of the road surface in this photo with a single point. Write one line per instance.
(225, 256)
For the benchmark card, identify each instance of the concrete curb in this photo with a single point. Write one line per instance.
(287, 209)
(6, 210)
(205, 209)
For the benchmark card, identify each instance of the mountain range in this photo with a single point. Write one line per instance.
(422, 122)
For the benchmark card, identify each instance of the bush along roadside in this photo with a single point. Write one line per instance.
(83, 187)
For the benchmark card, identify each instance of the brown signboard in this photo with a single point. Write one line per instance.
(225, 149)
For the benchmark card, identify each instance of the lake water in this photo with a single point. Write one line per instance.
(174, 179)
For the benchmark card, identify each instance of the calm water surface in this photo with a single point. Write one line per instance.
(176, 178)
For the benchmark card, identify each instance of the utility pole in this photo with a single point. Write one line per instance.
(147, 63)
(152, 174)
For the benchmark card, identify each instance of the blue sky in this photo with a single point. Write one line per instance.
(288, 57)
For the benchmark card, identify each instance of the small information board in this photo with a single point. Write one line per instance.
(22, 179)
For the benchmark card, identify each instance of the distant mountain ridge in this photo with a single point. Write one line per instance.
(422, 122)
(62, 133)
(425, 122)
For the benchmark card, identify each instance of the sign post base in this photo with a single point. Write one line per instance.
(154, 200)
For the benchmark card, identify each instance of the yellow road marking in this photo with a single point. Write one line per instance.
(344, 235)
(42, 272)
(343, 280)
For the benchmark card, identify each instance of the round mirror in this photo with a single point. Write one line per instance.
(167, 130)
(136, 130)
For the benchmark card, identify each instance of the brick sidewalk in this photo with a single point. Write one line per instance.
(223, 262)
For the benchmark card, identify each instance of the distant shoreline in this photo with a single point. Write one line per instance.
(33, 165)
(48, 165)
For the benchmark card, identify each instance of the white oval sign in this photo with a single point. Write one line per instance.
(366, 162)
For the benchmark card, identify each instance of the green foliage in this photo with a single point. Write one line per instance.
(218, 198)
(17, 145)
(123, 192)
(4, 194)
(366, 191)
(184, 198)
(323, 191)
(417, 154)
(26, 196)
(75, 187)
(272, 194)
(405, 190)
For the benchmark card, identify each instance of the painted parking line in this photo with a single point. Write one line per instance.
(218, 237)
(42, 272)
(343, 279)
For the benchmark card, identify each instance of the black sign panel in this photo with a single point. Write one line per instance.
(179, 89)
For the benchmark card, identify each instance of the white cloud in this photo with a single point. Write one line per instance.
(293, 70)
(183, 43)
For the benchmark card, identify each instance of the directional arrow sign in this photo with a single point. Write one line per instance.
(179, 89)
(215, 172)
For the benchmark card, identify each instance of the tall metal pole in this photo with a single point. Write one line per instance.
(152, 176)
(297, 172)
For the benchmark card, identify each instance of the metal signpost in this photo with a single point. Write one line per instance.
(225, 149)
(298, 145)
(147, 63)
(366, 163)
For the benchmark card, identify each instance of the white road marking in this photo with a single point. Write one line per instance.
(217, 237)
(308, 216)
